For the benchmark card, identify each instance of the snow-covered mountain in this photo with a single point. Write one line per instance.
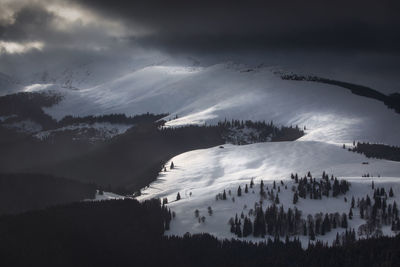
(195, 94)
(210, 94)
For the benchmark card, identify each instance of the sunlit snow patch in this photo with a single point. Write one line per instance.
(37, 87)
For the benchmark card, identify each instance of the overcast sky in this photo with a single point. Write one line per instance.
(48, 29)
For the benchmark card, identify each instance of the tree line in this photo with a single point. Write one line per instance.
(277, 222)
(379, 151)
(261, 131)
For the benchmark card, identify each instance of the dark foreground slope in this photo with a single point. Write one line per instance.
(133, 160)
(129, 233)
(23, 192)
(124, 163)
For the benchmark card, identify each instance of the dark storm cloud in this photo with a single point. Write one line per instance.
(29, 24)
(297, 32)
(34, 21)
(217, 25)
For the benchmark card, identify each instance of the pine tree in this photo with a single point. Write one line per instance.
(352, 202)
(395, 211)
(336, 243)
(233, 228)
(311, 231)
(391, 192)
(247, 227)
(224, 195)
(326, 224)
(259, 224)
(262, 192)
(246, 189)
(351, 214)
(394, 226)
(196, 213)
(277, 199)
(335, 188)
(172, 165)
(239, 191)
(251, 183)
(344, 220)
(238, 230)
(295, 197)
(368, 201)
(178, 196)
(210, 211)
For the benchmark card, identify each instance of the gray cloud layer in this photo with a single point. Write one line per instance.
(100, 30)
(208, 25)
(205, 26)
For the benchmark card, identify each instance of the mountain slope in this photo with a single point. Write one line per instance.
(210, 94)
(200, 175)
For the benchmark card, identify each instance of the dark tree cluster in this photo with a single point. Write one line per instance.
(379, 151)
(167, 216)
(123, 232)
(262, 132)
(378, 212)
(314, 189)
(392, 101)
(277, 222)
(345, 239)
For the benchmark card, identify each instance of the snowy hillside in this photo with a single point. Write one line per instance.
(202, 174)
(210, 94)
